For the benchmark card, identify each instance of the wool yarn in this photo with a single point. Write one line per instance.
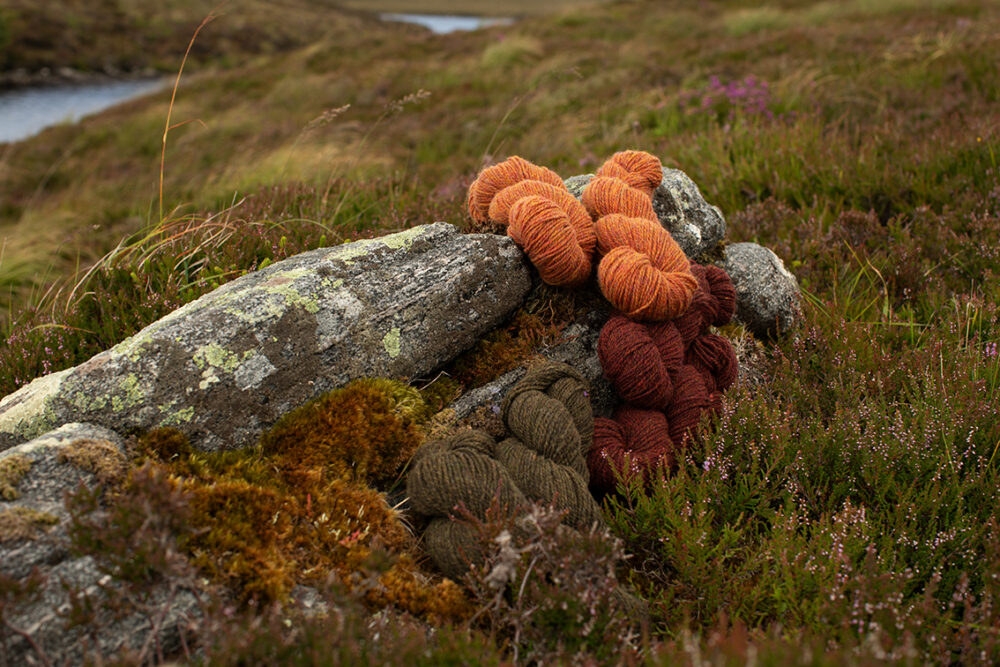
(642, 271)
(494, 179)
(633, 442)
(670, 374)
(549, 416)
(540, 214)
(639, 169)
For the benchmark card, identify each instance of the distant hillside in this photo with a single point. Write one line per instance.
(468, 7)
(125, 35)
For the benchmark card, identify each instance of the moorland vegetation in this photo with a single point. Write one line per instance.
(844, 509)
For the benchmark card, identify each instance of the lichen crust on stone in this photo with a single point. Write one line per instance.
(391, 343)
(28, 411)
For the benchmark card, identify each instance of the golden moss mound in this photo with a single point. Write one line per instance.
(364, 431)
(297, 508)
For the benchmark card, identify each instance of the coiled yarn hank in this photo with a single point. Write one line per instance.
(670, 374)
(642, 272)
(635, 442)
(549, 416)
(641, 170)
(540, 214)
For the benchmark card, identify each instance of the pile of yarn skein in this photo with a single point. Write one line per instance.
(656, 349)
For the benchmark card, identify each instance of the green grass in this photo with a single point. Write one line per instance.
(848, 506)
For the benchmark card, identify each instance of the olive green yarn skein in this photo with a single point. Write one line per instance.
(549, 413)
(460, 471)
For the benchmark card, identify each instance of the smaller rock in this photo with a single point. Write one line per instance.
(576, 184)
(34, 542)
(696, 225)
(768, 299)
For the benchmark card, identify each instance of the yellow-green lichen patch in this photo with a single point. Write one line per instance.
(130, 393)
(13, 468)
(23, 523)
(99, 457)
(350, 251)
(28, 412)
(214, 355)
(86, 401)
(391, 343)
(172, 417)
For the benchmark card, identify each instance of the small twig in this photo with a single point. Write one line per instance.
(42, 655)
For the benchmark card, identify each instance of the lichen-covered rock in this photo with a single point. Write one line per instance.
(34, 543)
(696, 225)
(768, 300)
(223, 368)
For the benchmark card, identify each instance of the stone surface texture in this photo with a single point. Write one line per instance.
(35, 539)
(696, 225)
(228, 365)
(768, 299)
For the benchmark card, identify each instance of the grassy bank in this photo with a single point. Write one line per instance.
(844, 510)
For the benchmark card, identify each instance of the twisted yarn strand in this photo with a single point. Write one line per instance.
(642, 272)
(549, 415)
(540, 214)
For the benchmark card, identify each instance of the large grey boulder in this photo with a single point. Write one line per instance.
(225, 367)
(34, 542)
(696, 225)
(768, 299)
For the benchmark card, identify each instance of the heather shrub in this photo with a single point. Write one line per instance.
(550, 594)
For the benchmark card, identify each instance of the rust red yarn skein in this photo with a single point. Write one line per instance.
(540, 214)
(634, 442)
(676, 370)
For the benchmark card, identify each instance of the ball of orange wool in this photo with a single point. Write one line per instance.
(494, 179)
(605, 195)
(643, 272)
(545, 233)
(639, 169)
(583, 226)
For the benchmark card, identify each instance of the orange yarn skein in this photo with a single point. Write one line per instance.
(639, 169)
(643, 272)
(583, 226)
(494, 179)
(541, 215)
(605, 195)
(547, 236)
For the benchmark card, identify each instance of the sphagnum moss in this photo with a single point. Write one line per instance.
(99, 457)
(297, 508)
(23, 523)
(13, 468)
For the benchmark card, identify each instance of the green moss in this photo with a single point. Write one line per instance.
(23, 523)
(99, 457)
(13, 468)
